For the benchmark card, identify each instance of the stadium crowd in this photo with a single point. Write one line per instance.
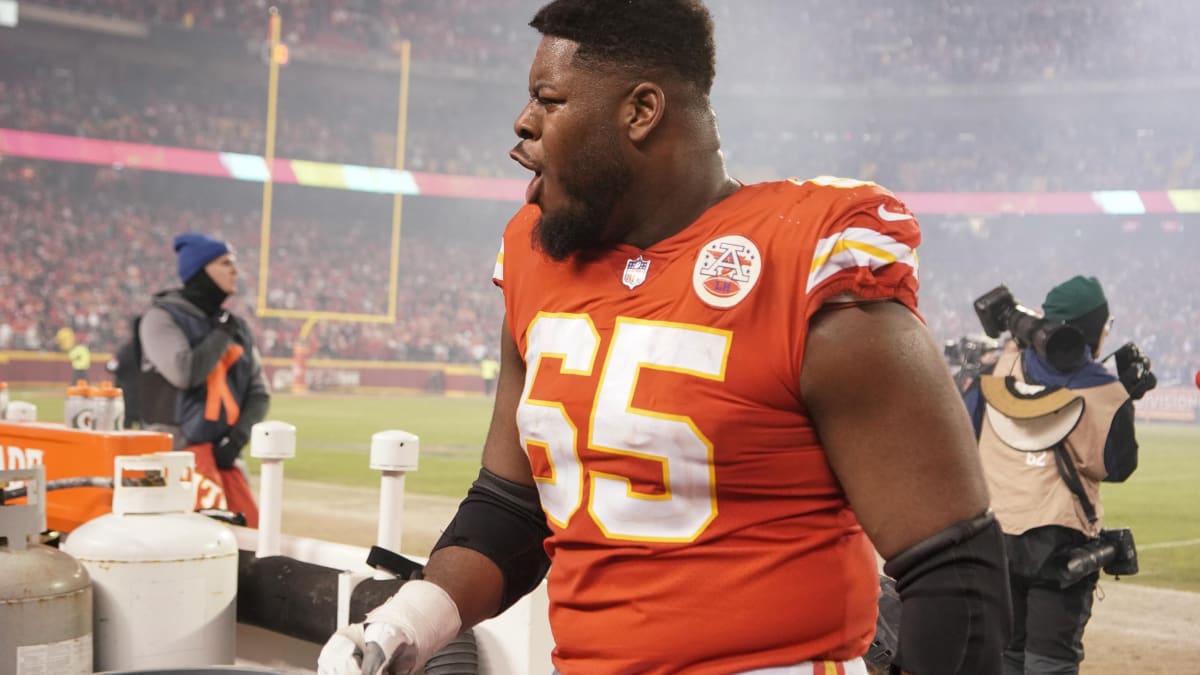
(98, 241)
(996, 147)
(1141, 263)
(945, 41)
(144, 103)
(85, 247)
(462, 31)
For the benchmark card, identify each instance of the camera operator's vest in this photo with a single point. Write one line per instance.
(206, 412)
(1028, 430)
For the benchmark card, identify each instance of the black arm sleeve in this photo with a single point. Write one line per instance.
(504, 521)
(956, 610)
(1121, 447)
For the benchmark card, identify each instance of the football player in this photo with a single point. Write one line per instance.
(716, 402)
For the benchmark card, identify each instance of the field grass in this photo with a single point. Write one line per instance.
(333, 438)
(1160, 505)
(1158, 502)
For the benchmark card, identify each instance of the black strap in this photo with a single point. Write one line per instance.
(1070, 476)
(389, 561)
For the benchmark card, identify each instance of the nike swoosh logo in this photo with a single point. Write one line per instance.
(884, 214)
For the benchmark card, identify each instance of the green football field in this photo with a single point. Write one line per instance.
(334, 435)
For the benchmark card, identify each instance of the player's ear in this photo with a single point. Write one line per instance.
(644, 108)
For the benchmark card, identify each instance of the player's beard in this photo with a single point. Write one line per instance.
(599, 178)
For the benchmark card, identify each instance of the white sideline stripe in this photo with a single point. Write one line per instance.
(1170, 544)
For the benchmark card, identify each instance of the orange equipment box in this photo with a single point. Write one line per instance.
(71, 453)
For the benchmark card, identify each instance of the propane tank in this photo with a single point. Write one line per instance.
(108, 413)
(165, 578)
(77, 411)
(45, 594)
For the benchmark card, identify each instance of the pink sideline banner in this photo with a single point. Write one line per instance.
(1001, 202)
(74, 149)
(81, 150)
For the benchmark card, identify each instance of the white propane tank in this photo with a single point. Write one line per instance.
(164, 577)
(45, 594)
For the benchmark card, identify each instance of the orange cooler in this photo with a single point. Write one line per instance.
(72, 453)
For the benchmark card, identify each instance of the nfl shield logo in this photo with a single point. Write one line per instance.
(635, 272)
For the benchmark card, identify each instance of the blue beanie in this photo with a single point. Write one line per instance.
(196, 250)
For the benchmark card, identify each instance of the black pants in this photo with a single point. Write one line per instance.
(1048, 624)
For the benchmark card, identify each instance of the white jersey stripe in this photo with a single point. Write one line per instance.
(857, 247)
(498, 271)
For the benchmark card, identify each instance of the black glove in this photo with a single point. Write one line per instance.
(227, 448)
(228, 323)
(1133, 368)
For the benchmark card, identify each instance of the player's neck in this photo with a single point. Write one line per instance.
(669, 201)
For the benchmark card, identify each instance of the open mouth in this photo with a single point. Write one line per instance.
(534, 191)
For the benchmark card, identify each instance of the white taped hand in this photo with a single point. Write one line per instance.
(342, 653)
(397, 637)
(359, 649)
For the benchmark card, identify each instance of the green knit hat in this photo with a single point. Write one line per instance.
(1073, 298)
(1080, 302)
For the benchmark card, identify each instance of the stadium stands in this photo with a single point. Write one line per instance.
(922, 97)
(99, 241)
(907, 41)
(997, 147)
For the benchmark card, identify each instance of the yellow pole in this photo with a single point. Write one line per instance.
(300, 358)
(264, 249)
(307, 327)
(397, 200)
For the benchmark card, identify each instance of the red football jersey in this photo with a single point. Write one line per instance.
(697, 526)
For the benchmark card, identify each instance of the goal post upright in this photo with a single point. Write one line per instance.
(264, 247)
(397, 199)
(301, 348)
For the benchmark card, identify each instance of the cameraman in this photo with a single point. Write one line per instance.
(1047, 438)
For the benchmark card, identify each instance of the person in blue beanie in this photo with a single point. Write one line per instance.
(202, 379)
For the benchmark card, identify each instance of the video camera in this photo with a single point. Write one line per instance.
(1113, 551)
(1060, 344)
(966, 357)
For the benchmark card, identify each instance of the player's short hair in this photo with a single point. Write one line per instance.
(638, 37)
